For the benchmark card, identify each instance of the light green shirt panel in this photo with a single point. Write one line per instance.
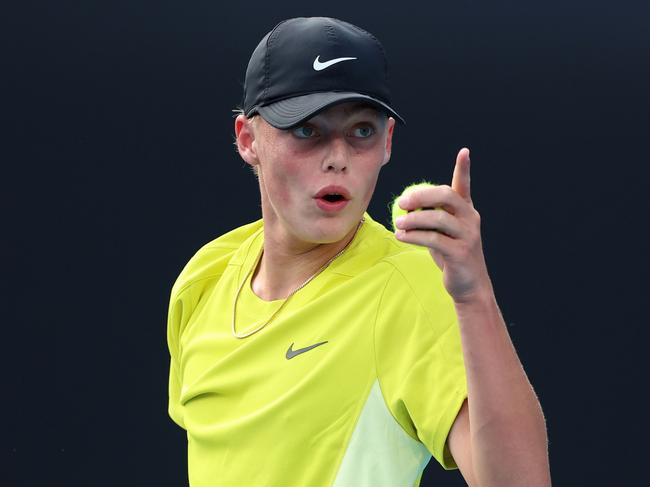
(380, 453)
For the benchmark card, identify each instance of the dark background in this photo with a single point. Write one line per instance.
(118, 164)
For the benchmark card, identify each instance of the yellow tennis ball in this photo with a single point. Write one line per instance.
(396, 210)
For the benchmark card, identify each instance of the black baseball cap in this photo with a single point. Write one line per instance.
(307, 64)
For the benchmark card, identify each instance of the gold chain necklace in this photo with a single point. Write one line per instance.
(257, 259)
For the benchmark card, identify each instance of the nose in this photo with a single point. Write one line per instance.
(337, 156)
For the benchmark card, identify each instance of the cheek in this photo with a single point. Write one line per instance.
(372, 183)
(282, 194)
(286, 184)
(371, 175)
(278, 178)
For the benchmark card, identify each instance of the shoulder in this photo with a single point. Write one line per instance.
(378, 245)
(410, 275)
(211, 259)
(411, 265)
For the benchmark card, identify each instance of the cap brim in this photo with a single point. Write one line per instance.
(285, 114)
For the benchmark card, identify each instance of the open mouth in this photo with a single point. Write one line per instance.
(332, 198)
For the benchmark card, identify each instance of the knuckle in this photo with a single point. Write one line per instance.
(441, 216)
(434, 238)
(446, 190)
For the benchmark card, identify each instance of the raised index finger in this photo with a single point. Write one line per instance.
(460, 181)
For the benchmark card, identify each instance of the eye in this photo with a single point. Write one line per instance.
(304, 132)
(363, 131)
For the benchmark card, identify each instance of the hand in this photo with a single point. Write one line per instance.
(449, 226)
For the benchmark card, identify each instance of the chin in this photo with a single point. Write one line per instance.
(332, 229)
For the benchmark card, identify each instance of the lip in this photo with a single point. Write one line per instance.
(334, 206)
(333, 189)
(331, 207)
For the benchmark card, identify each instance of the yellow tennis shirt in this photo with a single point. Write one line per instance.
(356, 382)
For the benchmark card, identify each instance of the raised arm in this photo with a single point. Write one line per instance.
(499, 437)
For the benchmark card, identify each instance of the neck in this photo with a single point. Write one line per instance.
(285, 266)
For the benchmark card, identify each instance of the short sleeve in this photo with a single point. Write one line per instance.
(180, 309)
(418, 355)
(173, 338)
(204, 269)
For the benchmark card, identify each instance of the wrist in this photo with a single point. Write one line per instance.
(481, 303)
(482, 296)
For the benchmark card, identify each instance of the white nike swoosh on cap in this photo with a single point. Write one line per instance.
(318, 66)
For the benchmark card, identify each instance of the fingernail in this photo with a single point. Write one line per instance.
(399, 221)
(404, 202)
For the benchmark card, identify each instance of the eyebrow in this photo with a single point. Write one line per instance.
(377, 116)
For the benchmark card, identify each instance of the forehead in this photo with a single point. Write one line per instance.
(349, 110)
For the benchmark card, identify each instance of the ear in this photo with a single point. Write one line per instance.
(390, 126)
(245, 136)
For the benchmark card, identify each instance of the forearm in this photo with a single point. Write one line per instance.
(507, 428)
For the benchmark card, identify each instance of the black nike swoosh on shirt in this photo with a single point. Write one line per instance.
(292, 353)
